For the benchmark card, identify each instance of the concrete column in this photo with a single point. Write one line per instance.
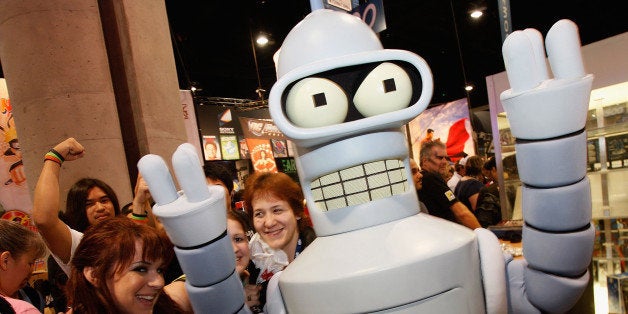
(70, 67)
(145, 81)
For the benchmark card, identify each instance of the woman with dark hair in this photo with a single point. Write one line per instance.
(276, 203)
(88, 201)
(468, 189)
(118, 268)
(488, 209)
(19, 248)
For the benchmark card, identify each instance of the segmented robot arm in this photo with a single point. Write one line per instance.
(548, 116)
(196, 222)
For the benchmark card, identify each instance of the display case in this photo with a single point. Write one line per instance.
(607, 136)
(607, 158)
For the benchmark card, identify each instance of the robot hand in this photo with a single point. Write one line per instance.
(548, 116)
(196, 222)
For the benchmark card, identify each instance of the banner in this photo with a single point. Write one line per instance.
(450, 124)
(14, 194)
(260, 128)
(261, 155)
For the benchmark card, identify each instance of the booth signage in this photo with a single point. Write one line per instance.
(372, 13)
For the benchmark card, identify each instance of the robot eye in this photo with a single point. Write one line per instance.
(315, 102)
(387, 88)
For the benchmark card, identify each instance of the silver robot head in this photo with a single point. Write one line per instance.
(342, 99)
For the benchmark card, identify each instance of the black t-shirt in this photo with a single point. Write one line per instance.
(437, 196)
(466, 189)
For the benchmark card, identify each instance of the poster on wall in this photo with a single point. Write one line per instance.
(279, 148)
(448, 123)
(244, 149)
(230, 147)
(211, 147)
(261, 155)
(288, 166)
(15, 199)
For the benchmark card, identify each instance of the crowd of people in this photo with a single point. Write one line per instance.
(108, 259)
(466, 194)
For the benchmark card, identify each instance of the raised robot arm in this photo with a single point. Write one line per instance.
(548, 116)
(196, 222)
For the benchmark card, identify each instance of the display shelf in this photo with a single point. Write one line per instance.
(611, 130)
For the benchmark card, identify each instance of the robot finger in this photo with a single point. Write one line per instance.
(538, 52)
(156, 174)
(563, 49)
(189, 172)
(518, 51)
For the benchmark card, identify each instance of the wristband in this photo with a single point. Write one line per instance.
(52, 150)
(139, 216)
(139, 219)
(53, 157)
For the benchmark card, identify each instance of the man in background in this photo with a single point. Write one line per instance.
(438, 198)
(217, 174)
(417, 177)
(429, 136)
(459, 172)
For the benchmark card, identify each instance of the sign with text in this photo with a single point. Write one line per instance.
(503, 7)
(260, 128)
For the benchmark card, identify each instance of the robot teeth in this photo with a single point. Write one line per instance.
(359, 184)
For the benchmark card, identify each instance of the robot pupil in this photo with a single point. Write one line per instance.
(319, 99)
(389, 85)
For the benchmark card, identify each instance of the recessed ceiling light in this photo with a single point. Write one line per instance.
(476, 14)
(261, 40)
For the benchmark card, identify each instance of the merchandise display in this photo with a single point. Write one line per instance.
(341, 102)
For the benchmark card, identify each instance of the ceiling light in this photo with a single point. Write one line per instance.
(468, 88)
(261, 40)
(476, 14)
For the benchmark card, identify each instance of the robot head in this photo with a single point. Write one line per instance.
(342, 99)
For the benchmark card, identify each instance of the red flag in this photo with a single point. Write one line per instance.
(458, 135)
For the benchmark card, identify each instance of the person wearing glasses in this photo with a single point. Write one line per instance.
(417, 177)
(435, 194)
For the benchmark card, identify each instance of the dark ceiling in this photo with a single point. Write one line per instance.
(213, 50)
(212, 40)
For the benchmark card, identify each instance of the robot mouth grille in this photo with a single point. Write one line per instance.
(359, 184)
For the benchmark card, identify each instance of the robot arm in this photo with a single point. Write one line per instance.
(196, 222)
(548, 116)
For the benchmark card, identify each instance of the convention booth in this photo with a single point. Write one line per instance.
(607, 163)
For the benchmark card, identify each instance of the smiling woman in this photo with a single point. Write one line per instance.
(276, 204)
(118, 268)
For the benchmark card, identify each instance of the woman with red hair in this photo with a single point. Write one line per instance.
(118, 268)
(276, 203)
